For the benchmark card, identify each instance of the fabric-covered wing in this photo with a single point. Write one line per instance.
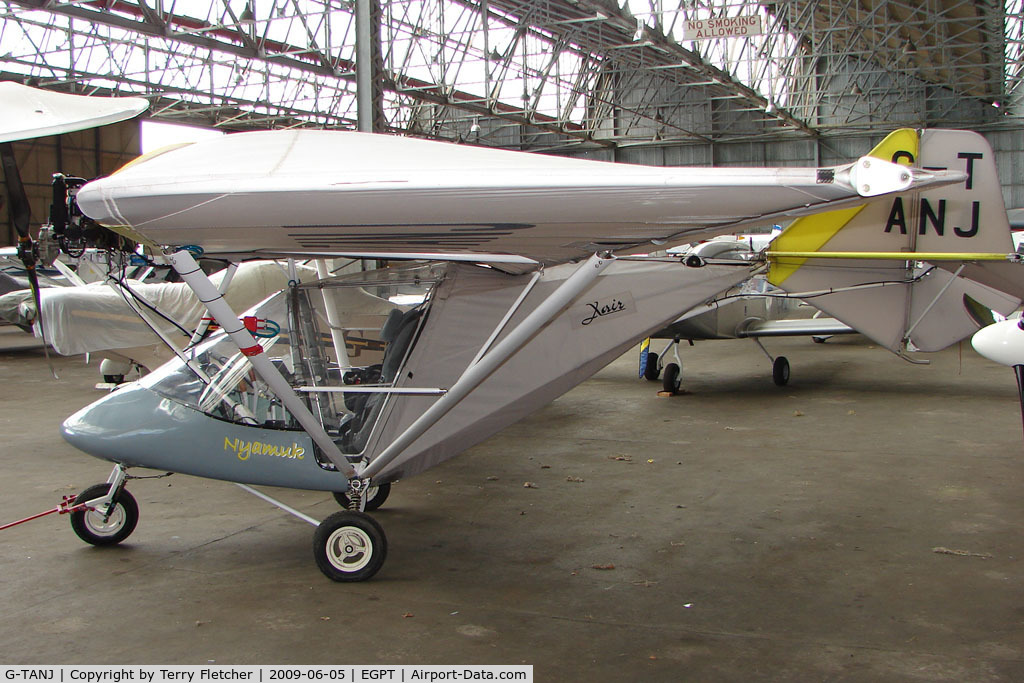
(328, 192)
(31, 113)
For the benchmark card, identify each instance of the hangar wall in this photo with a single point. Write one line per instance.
(745, 137)
(86, 153)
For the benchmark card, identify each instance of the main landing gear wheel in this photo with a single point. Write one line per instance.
(375, 497)
(349, 546)
(92, 526)
(651, 370)
(673, 378)
(780, 371)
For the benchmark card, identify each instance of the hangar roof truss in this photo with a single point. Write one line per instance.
(539, 73)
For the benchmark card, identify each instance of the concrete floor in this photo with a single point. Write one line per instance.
(756, 533)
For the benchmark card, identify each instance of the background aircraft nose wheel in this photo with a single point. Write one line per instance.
(92, 526)
(349, 546)
(375, 497)
(780, 371)
(673, 378)
(651, 370)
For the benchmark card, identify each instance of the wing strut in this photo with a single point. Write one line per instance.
(210, 297)
(204, 324)
(476, 373)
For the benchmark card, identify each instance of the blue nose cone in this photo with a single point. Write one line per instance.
(123, 426)
(137, 427)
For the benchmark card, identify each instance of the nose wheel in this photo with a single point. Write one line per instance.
(106, 523)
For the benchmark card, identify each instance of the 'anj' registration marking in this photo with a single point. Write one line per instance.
(245, 449)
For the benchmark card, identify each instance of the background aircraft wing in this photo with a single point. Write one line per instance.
(810, 327)
(27, 112)
(326, 192)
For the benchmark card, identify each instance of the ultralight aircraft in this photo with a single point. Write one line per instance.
(520, 284)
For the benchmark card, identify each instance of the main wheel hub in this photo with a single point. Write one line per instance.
(349, 549)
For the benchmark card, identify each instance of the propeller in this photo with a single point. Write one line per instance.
(20, 214)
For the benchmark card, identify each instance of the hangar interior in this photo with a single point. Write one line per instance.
(863, 524)
(812, 83)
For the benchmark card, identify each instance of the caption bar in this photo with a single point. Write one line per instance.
(262, 674)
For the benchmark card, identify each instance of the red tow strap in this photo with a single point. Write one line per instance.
(67, 506)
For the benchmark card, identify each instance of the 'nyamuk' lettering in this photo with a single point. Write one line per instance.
(245, 449)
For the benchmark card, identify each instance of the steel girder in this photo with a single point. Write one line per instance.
(538, 73)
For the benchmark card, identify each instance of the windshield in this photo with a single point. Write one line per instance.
(353, 330)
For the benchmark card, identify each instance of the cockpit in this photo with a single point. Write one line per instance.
(341, 343)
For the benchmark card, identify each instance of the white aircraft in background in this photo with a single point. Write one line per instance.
(117, 309)
(27, 113)
(751, 310)
(759, 308)
(136, 324)
(1003, 343)
(530, 289)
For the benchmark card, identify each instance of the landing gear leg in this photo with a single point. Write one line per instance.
(375, 497)
(348, 545)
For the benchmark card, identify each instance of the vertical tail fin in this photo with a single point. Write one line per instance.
(919, 306)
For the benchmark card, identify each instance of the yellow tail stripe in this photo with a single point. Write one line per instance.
(811, 233)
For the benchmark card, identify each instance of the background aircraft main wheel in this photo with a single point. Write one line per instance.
(90, 525)
(349, 546)
(780, 371)
(673, 378)
(651, 371)
(375, 497)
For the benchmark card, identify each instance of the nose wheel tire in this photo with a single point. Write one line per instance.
(651, 370)
(780, 371)
(375, 497)
(97, 528)
(349, 546)
(672, 379)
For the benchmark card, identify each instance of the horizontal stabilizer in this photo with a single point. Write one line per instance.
(1005, 276)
